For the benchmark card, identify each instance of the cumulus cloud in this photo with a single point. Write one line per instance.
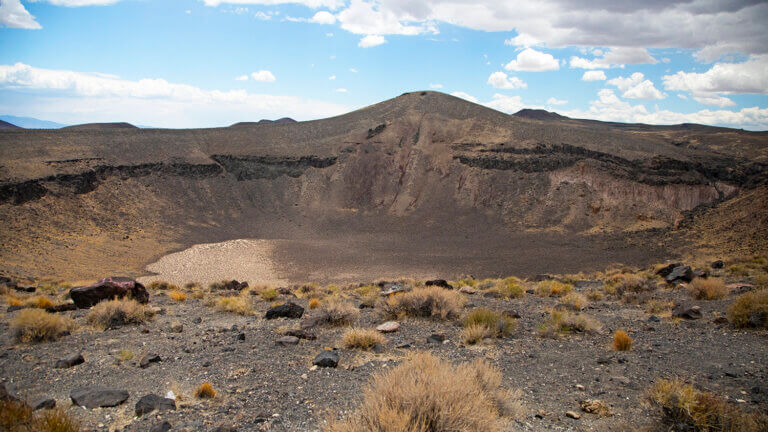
(435, 86)
(554, 101)
(242, 78)
(14, 15)
(464, 96)
(263, 76)
(500, 80)
(341, 90)
(507, 104)
(76, 97)
(332, 77)
(314, 4)
(368, 18)
(597, 75)
(371, 41)
(78, 3)
(708, 87)
(637, 87)
(323, 17)
(615, 57)
(531, 60)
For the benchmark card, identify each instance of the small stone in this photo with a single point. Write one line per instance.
(326, 359)
(240, 337)
(654, 318)
(686, 312)
(301, 334)
(161, 427)
(579, 387)
(44, 403)
(176, 327)
(98, 397)
(720, 320)
(287, 341)
(288, 310)
(436, 338)
(466, 289)
(197, 320)
(388, 327)
(69, 361)
(151, 402)
(442, 283)
(572, 414)
(149, 359)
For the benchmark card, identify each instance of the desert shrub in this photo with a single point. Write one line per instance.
(761, 281)
(475, 333)
(205, 391)
(239, 304)
(707, 289)
(750, 310)
(429, 302)
(17, 416)
(510, 287)
(40, 302)
(118, 312)
(177, 295)
(53, 286)
(37, 325)
(337, 312)
(314, 303)
(563, 322)
(192, 286)
(123, 355)
(162, 285)
(467, 281)
(268, 294)
(425, 394)
(683, 407)
(497, 324)
(658, 306)
(550, 288)
(622, 341)
(12, 300)
(362, 338)
(635, 288)
(594, 295)
(574, 300)
(738, 270)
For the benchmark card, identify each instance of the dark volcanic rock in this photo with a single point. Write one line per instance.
(680, 273)
(665, 271)
(70, 360)
(686, 312)
(151, 402)
(98, 397)
(287, 341)
(106, 289)
(301, 334)
(436, 338)
(25, 288)
(717, 264)
(64, 307)
(442, 283)
(288, 310)
(161, 427)
(44, 403)
(326, 359)
(149, 359)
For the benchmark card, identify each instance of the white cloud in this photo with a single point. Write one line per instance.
(329, 34)
(553, 101)
(78, 3)
(500, 80)
(341, 90)
(263, 76)
(531, 60)
(368, 18)
(332, 77)
(637, 87)
(608, 107)
(371, 41)
(242, 78)
(464, 96)
(713, 100)
(507, 104)
(615, 57)
(592, 75)
(262, 16)
(707, 88)
(435, 86)
(76, 97)
(353, 70)
(14, 15)
(323, 17)
(314, 4)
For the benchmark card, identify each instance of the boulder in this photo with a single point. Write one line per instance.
(44, 403)
(437, 338)
(151, 402)
(25, 288)
(326, 359)
(442, 283)
(739, 288)
(106, 289)
(388, 288)
(149, 359)
(680, 273)
(686, 312)
(717, 264)
(232, 285)
(98, 397)
(665, 271)
(64, 307)
(287, 341)
(161, 427)
(288, 310)
(70, 360)
(466, 289)
(388, 327)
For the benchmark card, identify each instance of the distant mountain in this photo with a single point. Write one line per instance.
(101, 126)
(6, 125)
(30, 122)
(283, 120)
(538, 114)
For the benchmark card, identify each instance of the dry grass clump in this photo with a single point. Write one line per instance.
(594, 295)
(18, 417)
(37, 325)
(205, 391)
(12, 300)
(239, 304)
(707, 289)
(429, 302)
(268, 294)
(337, 312)
(314, 303)
(162, 285)
(550, 288)
(750, 310)
(192, 286)
(425, 394)
(483, 323)
(738, 270)
(510, 287)
(40, 302)
(683, 407)
(659, 306)
(622, 341)
(118, 312)
(364, 339)
(177, 295)
(574, 300)
(635, 288)
(563, 323)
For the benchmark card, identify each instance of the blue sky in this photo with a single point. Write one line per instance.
(193, 63)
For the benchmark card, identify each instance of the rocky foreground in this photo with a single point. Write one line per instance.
(238, 357)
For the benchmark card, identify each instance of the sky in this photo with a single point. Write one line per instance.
(208, 63)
